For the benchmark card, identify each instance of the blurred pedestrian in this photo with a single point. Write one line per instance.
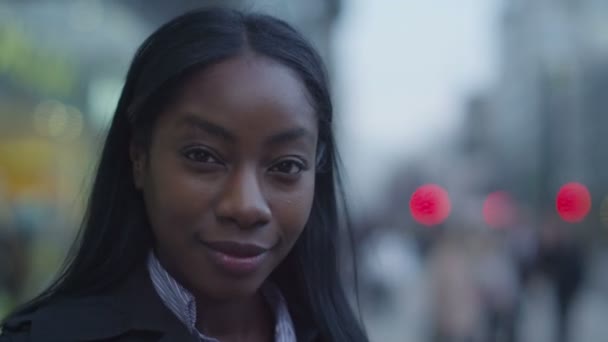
(456, 306)
(561, 258)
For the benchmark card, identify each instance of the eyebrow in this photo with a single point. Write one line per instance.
(290, 135)
(224, 134)
(208, 127)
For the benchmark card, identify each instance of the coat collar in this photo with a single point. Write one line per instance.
(134, 306)
(146, 310)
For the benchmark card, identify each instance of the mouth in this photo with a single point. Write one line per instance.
(235, 258)
(236, 249)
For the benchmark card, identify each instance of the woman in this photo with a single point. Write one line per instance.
(214, 212)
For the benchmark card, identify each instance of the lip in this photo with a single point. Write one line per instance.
(236, 249)
(236, 258)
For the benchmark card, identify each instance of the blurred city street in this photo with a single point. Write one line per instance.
(407, 319)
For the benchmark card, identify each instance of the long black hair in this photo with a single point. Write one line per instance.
(115, 236)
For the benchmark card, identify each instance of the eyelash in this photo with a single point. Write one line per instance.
(201, 155)
(290, 163)
(194, 154)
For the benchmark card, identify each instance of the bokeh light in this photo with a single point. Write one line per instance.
(573, 202)
(56, 120)
(430, 205)
(499, 210)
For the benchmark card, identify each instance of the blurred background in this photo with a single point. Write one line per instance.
(472, 135)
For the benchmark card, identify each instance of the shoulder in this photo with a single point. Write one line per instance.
(16, 328)
(131, 311)
(67, 319)
(13, 331)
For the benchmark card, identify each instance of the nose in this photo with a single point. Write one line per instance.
(242, 201)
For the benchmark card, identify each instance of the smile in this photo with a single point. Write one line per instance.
(239, 259)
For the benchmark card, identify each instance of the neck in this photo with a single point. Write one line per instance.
(242, 319)
(247, 318)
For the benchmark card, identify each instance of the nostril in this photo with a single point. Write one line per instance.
(245, 214)
(243, 202)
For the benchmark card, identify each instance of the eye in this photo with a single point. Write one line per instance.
(290, 167)
(200, 155)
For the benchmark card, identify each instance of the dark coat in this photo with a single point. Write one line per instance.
(132, 313)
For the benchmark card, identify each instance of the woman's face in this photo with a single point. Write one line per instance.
(228, 179)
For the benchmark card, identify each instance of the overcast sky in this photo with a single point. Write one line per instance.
(403, 71)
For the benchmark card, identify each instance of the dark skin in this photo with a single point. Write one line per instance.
(231, 159)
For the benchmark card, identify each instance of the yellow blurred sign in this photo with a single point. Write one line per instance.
(28, 165)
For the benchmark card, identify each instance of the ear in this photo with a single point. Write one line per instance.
(138, 159)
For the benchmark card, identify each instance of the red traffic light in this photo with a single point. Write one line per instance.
(430, 205)
(573, 202)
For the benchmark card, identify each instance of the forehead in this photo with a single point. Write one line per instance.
(250, 90)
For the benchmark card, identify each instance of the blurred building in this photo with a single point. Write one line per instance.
(547, 116)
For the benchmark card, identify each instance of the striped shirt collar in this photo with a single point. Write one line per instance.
(181, 302)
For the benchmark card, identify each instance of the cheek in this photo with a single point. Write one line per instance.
(291, 211)
(176, 201)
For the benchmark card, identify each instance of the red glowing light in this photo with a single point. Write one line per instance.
(499, 210)
(573, 202)
(430, 205)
